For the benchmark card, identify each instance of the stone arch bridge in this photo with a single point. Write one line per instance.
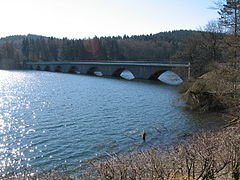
(147, 70)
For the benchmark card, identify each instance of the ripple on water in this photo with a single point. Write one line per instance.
(49, 119)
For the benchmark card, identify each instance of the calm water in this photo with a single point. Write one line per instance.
(48, 119)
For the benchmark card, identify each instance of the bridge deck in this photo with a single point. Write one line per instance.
(129, 63)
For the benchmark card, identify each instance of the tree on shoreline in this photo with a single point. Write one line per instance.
(230, 15)
(230, 18)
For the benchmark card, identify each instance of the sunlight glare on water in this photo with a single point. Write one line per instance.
(52, 119)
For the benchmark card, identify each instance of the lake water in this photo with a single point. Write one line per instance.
(53, 119)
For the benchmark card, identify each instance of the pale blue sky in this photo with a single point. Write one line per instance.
(86, 18)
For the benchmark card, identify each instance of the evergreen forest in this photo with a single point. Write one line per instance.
(182, 45)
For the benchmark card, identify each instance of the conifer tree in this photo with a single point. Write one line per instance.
(230, 18)
(25, 48)
(230, 15)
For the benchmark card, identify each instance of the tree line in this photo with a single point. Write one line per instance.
(15, 50)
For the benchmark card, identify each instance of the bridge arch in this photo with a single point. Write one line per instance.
(118, 72)
(156, 74)
(58, 68)
(47, 68)
(94, 71)
(73, 69)
(167, 76)
(38, 67)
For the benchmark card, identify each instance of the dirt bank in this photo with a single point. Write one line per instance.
(218, 91)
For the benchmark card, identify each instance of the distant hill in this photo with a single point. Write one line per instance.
(20, 37)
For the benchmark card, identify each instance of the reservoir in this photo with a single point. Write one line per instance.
(52, 119)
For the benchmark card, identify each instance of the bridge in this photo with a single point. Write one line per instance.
(148, 70)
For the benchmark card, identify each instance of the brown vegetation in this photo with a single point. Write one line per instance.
(44, 175)
(206, 156)
(217, 90)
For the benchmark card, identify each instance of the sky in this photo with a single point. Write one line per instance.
(88, 18)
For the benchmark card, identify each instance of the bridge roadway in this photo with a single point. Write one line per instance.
(140, 69)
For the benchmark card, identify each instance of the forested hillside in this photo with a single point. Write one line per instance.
(15, 50)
